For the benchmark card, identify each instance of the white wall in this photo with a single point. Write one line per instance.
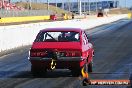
(19, 35)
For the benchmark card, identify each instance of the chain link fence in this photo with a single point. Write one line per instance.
(13, 13)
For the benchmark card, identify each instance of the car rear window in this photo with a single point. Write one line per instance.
(58, 37)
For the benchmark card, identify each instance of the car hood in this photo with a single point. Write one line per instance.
(56, 45)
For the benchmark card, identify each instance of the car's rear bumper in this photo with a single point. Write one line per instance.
(58, 59)
(63, 62)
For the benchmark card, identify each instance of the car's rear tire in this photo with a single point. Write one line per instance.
(90, 67)
(76, 72)
(38, 71)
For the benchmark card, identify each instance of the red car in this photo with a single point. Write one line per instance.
(53, 17)
(61, 48)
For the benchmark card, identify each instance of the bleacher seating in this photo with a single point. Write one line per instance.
(9, 6)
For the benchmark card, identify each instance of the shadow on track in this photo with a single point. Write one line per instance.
(28, 74)
(52, 74)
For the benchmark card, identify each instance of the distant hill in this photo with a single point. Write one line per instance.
(119, 11)
(41, 6)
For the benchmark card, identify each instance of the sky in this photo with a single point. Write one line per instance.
(123, 3)
(128, 3)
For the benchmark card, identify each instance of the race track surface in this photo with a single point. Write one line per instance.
(113, 60)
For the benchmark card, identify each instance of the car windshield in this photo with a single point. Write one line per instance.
(58, 37)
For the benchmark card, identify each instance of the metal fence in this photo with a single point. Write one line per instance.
(14, 13)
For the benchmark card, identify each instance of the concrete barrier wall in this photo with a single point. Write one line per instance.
(29, 18)
(129, 15)
(23, 19)
(20, 35)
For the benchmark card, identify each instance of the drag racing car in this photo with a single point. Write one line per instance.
(61, 48)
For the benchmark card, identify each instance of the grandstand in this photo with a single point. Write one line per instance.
(5, 4)
(67, 5)
(88, 5)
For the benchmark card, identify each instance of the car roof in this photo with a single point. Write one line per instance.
(62, 29)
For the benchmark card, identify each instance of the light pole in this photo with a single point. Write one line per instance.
(62, 4)
(80, 7)
(84, 6)
(69, 6)
(47, 4)
(56, 4)
(30, 6)
(118, 3)
(114, 3)
(108, 6)
(2, 3)
(89, 9)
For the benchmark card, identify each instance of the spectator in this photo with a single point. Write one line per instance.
(72, 36)
(62, 37)
(73, 16)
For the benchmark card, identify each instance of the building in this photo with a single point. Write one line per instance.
(87, 5)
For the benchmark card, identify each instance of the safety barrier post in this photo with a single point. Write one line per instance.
(129, 15)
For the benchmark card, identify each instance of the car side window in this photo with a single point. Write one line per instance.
(84, 39)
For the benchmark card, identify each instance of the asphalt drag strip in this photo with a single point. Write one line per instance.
(113, 59)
